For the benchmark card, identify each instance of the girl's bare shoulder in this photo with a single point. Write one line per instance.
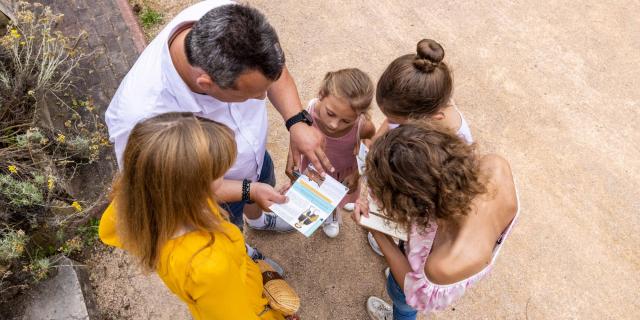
(501, 188)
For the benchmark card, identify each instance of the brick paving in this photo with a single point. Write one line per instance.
(114, 40)
(113, 37)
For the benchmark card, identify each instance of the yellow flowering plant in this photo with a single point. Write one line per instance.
(41, 155)
(76, 206)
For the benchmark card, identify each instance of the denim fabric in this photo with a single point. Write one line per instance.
(236, 209)
(401, 311)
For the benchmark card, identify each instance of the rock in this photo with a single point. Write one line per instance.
(61, 296)
(61, 208)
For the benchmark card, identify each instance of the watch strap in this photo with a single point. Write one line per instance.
(246, 191)
(302, 116)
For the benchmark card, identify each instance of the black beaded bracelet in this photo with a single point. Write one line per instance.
(246, 191)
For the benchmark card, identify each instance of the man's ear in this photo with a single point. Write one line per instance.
(204, 82)
(438, 116)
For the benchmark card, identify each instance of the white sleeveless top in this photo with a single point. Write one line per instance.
(463, 132)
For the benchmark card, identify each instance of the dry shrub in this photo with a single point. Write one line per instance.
(39, 155)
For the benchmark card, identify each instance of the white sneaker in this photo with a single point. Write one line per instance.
(331, 229)
(374, 244)
(378, 309)
(349, 206)
(387, 271)
(272, 223)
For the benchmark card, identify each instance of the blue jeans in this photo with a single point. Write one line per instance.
(236, 209)
(401, 310)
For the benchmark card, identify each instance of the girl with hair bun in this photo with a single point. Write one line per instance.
(419, 87)
(459, 207)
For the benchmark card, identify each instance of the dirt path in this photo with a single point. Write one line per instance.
(553, 88)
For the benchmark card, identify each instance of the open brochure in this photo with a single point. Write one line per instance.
(377, 220)
(311, 201)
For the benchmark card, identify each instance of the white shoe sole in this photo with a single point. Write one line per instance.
(328, 234)
(371, 305)
(290, 228)
(349, 206)
(374, 244)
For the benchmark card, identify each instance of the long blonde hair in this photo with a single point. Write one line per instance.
(170, 163)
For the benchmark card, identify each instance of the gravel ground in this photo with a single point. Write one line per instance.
(553, 88)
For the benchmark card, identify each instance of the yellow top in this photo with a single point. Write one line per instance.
(219, 282)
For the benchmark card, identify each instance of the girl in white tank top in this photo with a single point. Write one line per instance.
(419, 86)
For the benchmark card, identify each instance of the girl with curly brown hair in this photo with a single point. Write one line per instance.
(457, 206)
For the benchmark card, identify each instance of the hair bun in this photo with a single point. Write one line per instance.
(429, 55)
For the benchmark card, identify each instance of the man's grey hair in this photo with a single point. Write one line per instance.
(232, 39)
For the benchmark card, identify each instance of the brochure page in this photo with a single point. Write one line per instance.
(311, 201)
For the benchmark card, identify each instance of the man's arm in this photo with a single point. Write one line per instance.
(304, 139)
(283, 94)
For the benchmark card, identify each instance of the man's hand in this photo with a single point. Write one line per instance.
(265, 195)
(305, 139)
(309, 141)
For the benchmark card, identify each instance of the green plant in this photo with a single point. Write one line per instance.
(89, 232)
(12, 244)
(20, 193)
(150, 18)
(70, 246)
(39, 268)
(46, 134)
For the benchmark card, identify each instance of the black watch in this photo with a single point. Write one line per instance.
(303, 116)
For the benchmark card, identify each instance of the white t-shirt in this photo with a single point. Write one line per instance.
(153, 87)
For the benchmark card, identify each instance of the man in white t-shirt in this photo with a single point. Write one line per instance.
(221, 60)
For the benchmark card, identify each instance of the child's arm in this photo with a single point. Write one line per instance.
(288, 170)
(384, 127)
(397, 261)
(352, 181)
(367, 129)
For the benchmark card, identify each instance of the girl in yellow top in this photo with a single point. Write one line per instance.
(164, 214)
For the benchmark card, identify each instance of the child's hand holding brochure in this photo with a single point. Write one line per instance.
(379, 222)
(311, 200)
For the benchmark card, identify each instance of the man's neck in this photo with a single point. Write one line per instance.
(179, 57)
